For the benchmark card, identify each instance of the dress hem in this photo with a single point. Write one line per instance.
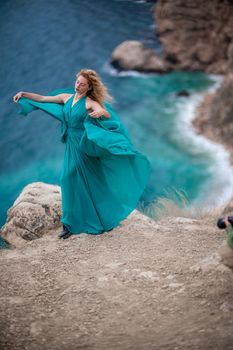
(105, 230)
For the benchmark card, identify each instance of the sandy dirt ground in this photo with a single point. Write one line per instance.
(145, 285)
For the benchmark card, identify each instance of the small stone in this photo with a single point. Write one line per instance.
(226, 307)
(165, 286)
(195, 268)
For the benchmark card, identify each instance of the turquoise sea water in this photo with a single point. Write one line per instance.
(45, 43)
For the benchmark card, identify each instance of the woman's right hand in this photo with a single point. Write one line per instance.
(18, 96)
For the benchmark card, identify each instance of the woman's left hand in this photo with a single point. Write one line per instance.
(97, 113)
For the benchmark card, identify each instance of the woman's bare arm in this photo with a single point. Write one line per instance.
(60, 98)
(96, 110)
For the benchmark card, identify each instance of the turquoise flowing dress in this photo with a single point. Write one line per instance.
(103, 176)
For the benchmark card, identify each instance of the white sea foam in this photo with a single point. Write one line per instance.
(219, 189)
(135, 1)
(109, 69)
(140, 1)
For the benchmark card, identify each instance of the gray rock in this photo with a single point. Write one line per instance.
(133, 55)
(36, 211)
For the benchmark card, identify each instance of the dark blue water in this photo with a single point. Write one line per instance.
(43, 45)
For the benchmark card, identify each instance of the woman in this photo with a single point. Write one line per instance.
(103, 176)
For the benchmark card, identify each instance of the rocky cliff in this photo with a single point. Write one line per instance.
(195, 34)
(35, 212)
(214, 116)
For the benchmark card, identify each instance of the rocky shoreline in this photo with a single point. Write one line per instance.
(198, 35)
(195, 36)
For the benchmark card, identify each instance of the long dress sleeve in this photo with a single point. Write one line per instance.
(55, 110)
(104, 136)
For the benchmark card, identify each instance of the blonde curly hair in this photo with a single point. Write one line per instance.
(98, 91)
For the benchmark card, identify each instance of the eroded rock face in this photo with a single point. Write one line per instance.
(230, 58)
(133, 55)
(221, 109)
(214, 116)
(195, 34)
(36, 211)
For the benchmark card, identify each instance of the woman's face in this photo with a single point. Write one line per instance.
(81, 85)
